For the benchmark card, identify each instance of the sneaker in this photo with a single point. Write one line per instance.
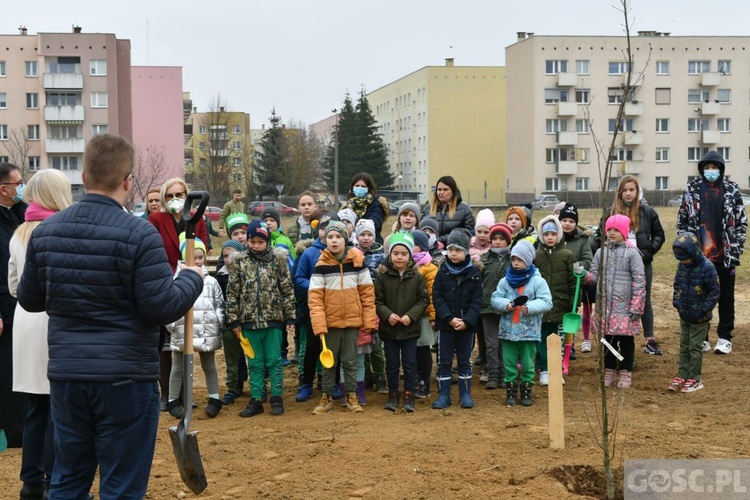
(229, 398)
(625, 380)
(391, 404)
(491, 385)
(692, 385)
(484, 377)
(254, 407)
(586, 346)
(544, 378)
(277, 405)
(409, 402)
(324, 405)
(706, 346)
(676, 384)
(381, 385)
(421, 391)
(723, 346)
(352, 403)
(652, 347)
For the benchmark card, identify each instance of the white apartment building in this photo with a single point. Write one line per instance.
(691, 95)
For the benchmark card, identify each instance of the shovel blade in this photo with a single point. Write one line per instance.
(326, 358)
(185, 445)
(246, 347)
(571, 323)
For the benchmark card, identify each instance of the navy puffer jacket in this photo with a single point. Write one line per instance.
(102, 276)
(696, 285)
(457, 296)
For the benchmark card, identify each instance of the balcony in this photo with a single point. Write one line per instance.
(74, 176)
(71, 145)
(567, 108)
(636, 80)
(566, 168)
(710, 136)
(633, 108)
(567, 79)
(712, 79)
(631, 167)
(710, 108)
(63, 113)
(63, 81)
(633, 138)
(567, 138)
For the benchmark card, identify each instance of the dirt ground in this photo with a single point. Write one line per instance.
(455, 453)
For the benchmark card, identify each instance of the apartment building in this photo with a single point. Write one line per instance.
(689, 95)
(57, 90)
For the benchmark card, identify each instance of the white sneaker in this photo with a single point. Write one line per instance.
(723, 346)
(586, 346)
(544, 378)
(706, 346)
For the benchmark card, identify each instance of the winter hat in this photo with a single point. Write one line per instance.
(258, 229)
(429, 222)
(326, 218)
(348, 214)
(421, 239)
(524, 251)
(485, 218)
(338, 227)
(237, 220)
(527, 211)
(199, 245)
(364, 225)
(401, 238)
(558, 208)
(569, 211)
(234, 244)
(459, 238)
(503, 230)
(273, 213)
(549, 227)
(413, 207)
(520, 212)
(620, 223)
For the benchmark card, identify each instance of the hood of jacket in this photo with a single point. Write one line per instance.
(716, 159)
(688, 243)
(556, 221)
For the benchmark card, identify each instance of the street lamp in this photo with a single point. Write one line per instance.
(400, 187)
(336, 162)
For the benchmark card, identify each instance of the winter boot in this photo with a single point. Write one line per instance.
(229, 398)
(361, 394)
(304, 393)
(175, 409)
(511, 394)
(324, 405)
(391, 404)
(464, 392)
(254, 407)
(625, 380)
(566, 359)
(526, 394)
(213, 408)
(409, 402)
(277, 405)
(444, 394)
(352, 404)
(609, 377)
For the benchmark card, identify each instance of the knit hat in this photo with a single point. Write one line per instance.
(620, 223)
(413, 207)
(524, 251)
(558, 208)
(199, 245)
(429, 222)
(273, 213)
(520, 212)
(549, 227)
(528, 212)
(421, 239)
(569, 211)
(338, 227)
(485, 218)
(326, 218)
(459, 238)
(237, 220)
(258, 229)
(364, 225)
(503, 230)
(401, 238)
(233, 244)
(347, 214)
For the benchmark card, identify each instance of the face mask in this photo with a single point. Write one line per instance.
(431, 239)
(712, 175)
(175, 205)
(19, 193)
(359, 191)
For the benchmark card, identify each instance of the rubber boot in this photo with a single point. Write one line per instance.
(444, 394)
(361, 393)
(464, 392)
(213, 408)
(511, 394)
(526, 394)
(175, 409)
(566, 359)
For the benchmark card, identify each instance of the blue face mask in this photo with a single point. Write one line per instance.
(359, 191)
(19, 193)
(712, 175)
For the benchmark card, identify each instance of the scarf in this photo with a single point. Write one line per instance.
(518, 278)
(359, 205)
(458, 270)
(36, 212)
(262, 256)
(500, 252)
(422, 258)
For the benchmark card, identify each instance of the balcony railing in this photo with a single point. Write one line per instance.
(710, 136)
(633, 138)
(567, 79)
(712, 79)
(633, 108)
(68, 81)
(710, 108)
(63, 113)
(567, 108)
(567, 138)
(72, 145)
(566, 167)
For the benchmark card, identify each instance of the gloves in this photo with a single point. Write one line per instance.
(635, 317)
(578, 269)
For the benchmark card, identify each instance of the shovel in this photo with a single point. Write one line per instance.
(184, 443)
(246, 347)
(572, 320)
(326, 355)
(520, 300)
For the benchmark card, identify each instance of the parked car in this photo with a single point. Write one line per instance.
(675, 201)
(745, 199)
(213, 213)
(284, 210)
(139, 209)
(545, 201)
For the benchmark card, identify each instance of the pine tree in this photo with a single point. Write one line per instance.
(269, 166)
(373, 156)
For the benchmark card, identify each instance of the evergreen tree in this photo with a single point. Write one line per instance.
(373, 155)
(269, 165)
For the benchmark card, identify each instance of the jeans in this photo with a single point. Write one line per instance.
(452, 342)
(112, 425)
(691, 348)
(266, 343)
(38, 457)
(401, 353)
(343, 343)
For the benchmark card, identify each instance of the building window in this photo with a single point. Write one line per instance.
(237, 177)
(724, 96)
(201, 129)
(553, 67)
(3, 132)
(583, 96)
(98, 99)
(615, 95)
(3, 100)
(61, 99)
(662, 67)
(552, 184)
(724, 125)
(582, 126)
(203, 162)
(32, 100)
(622, 154)
(725, 152)
(552, 155)
(695, 154)
(553, 96)
(65, 132)
(662, 125)
(35, 163)
(662, 155)
(613, 182)
(237, 162)
(663, 96)
(698, 67)
(2, 68)
(33, 132)
(98, 67)
(582, 183)
(725, 66)
(65, 162)
(236, 129)
(697, 124)
(697, 96)
(236, 145)
(582, 155)
(662, 183)
(582, 67)
(99, 129)
(32, 68)
(555, 126)
(202, 146)
(626, 125)
(618, 68)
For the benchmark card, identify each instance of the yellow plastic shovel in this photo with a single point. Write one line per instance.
(326, 355)
(247, 347)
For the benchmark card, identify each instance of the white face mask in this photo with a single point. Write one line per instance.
(431, 240)
(175, 205)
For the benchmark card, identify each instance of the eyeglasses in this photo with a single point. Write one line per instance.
(171, 196)
(16, 184)
(131, 175)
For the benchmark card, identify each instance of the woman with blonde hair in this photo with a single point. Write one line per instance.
(47, 193)
(449, 209)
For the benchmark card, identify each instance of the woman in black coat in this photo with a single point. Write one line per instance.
(449, 209)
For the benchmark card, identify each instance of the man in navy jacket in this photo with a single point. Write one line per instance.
(102, 276)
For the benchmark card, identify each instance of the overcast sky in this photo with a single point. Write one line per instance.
(303, 56)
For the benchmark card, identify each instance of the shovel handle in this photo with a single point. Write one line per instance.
(578, 290)
(191, 220)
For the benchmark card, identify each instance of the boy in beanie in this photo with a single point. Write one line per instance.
(555, 264)
(278, 239)
(522, 297)
(237, 226)
(516, 218)
(493, 265)
(457, 296)
(400, 301)
(349, 217)
(260, 306)
(423, 263)
(430, 226)
(341, 299)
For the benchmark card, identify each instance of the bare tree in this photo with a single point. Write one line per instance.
(149, 170)
(18, 146)
(302, 156)
(244, 168)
